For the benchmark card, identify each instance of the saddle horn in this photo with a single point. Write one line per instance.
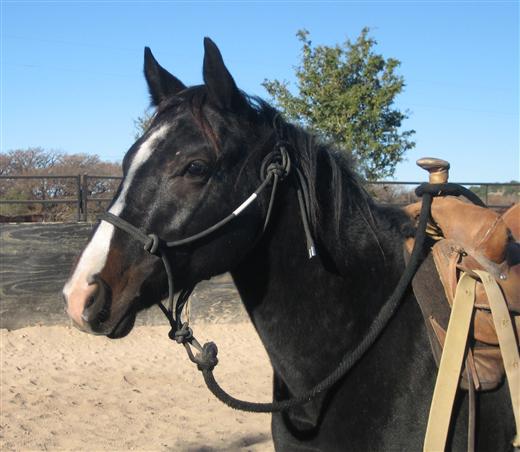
(438, 169)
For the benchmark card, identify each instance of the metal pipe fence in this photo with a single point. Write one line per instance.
(90, 194)
(498, 199)
(79, 192)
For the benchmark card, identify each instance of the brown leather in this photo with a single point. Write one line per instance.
(474, 228)
(511, 287)
(485, 238)
(470, 238)
(512, 272)
(470, 369)
(484, 328)
(489, 367)
(508, 278)
(446, 255)
(512, 219)
(485, 361)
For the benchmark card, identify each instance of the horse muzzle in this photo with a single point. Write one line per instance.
(88, 304)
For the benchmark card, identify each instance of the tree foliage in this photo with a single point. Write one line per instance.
(37, 161)
(346, 93)
(142, 123)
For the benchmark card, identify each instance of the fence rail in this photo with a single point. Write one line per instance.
(85, 196)
(81, 197)
(484, 192)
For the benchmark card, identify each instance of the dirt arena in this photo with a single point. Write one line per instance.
(65, 390)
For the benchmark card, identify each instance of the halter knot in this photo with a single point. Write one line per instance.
(152, 244)
(276, 163)
(207, 358)
(276, 169)
(182, 335)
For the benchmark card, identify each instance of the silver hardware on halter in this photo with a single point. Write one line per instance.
(244, 204)
(312, 252)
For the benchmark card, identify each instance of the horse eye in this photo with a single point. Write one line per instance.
(197, 168)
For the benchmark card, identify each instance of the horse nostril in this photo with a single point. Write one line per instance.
(89, 311)
(97, 305)
(90, 301)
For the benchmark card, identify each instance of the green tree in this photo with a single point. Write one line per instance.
(346, 94)
(142, 123)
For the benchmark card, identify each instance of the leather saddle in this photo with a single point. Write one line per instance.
(468, 238)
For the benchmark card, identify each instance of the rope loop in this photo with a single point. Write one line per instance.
(448, 189)
(152, 244)
(181, 335)
(276, 163)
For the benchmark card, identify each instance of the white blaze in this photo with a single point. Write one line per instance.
(94, 256)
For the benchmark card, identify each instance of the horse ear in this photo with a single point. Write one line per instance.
(161, 83)
(219, 82)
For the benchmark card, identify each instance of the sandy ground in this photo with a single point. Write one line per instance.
(65, 390)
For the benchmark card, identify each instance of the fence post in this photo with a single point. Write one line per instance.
(487, 192)
(84, 195)
(79, 203)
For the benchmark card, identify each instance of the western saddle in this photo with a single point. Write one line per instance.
(476, 252)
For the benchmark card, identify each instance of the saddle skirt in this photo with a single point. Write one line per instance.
(465, 238)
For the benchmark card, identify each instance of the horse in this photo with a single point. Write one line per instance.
(204, 154)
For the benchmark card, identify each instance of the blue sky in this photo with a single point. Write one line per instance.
(71, 71)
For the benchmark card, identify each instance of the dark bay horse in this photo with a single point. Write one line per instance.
(198, 161)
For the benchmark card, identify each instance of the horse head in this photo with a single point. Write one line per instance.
(188, 171)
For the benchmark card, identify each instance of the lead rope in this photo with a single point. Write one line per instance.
(208, 355)
(206, 360)
(277, 166)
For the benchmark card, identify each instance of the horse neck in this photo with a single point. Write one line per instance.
(300, 306)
